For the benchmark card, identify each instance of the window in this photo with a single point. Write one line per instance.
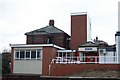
(64, 55)
(16, 54)
(22, 54)
(39, 54)
(68, 54)
(33, 54)
(59, 54)
(27, 54)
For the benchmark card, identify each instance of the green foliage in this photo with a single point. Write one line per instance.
(5, 63)
(5, 67)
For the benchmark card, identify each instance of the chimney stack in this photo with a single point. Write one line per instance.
(51, 22)
(80, 29)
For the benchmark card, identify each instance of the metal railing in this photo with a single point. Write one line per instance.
(85, 60)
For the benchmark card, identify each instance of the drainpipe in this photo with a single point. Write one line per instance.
(49, 69)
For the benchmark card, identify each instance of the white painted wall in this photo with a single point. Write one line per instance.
(118, 48)
(27, 66)
(107, 58)
(89, 28)
(118, 37)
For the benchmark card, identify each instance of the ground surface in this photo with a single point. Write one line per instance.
(98, 73)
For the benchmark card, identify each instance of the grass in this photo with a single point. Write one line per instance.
(98, 73)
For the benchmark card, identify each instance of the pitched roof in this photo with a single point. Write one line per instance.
(89, 44)
(45, 30)
(98, 43)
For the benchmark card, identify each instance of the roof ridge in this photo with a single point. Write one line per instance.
(47, 29)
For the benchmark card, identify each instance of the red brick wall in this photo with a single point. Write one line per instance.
(78, 30)
(36, 39)
(67, 69)
(49, 54)
(59, 39)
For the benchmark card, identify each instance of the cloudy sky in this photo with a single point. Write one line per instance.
(20, 16)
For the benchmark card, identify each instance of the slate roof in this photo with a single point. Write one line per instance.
(45, 30)
(97, 43)
(100, 42)
(89, 44)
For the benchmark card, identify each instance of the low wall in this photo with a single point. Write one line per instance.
(67, 69)
(20, 77)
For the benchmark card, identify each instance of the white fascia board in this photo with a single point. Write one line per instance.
(79, 13)
(29, 45)
(58, 47)
(66, 51)
(34, 45)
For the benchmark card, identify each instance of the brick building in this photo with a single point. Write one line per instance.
(48, 35)
(80, 29)
(46, 50)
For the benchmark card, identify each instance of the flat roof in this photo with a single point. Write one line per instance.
(66, 51)
(34, 45)
(79, 13)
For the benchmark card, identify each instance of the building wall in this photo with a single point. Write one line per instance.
(68, 69)
(89, 29)
(117, 35)
(109, 57)
(28, 66)
(90, 58)
(49, 53)
(78, 30)
(36, 39)
(59, 39)
(34, 66)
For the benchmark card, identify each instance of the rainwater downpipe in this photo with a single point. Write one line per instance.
(49, 69)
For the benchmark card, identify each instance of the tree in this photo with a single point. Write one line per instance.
(6, 62)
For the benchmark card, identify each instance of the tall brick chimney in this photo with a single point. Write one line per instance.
(51, 22)
(80, 29)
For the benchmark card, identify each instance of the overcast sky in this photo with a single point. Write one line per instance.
(20, 16)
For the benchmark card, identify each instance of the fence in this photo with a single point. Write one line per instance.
(85, 60)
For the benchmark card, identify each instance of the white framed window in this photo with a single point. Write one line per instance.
(17, 54)
(60, 54)
(68, 55)
(64, 54)
(39, 54)
(33, 54)
(28, 54)
(22, 54)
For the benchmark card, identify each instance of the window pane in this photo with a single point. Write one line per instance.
(27, 53)
(39, 54)
(33, 54)
(16, 54)
(64, 54)
(60, 54)
(68, 54)
(22, 54)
